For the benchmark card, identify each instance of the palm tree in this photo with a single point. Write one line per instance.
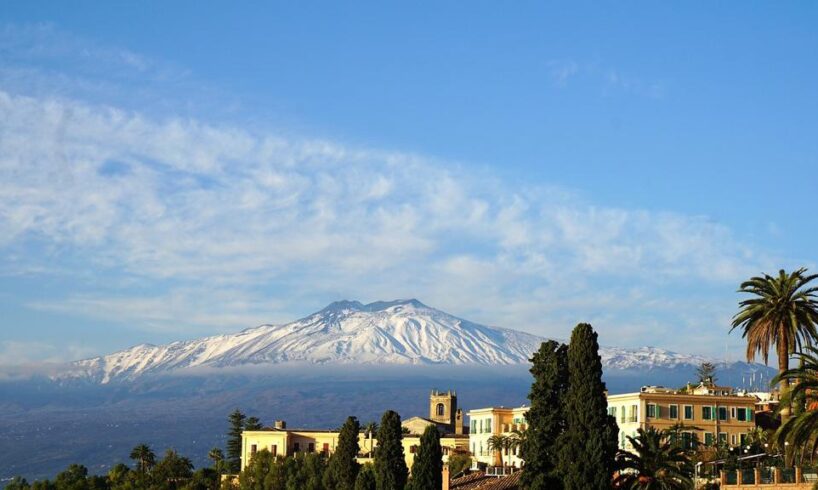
(217, 456)
(781, 311)
(144, 457)
(498, 443)
(370, 429)
(656, 464)
(801, 430)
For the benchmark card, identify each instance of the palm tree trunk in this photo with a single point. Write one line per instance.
(784, 385)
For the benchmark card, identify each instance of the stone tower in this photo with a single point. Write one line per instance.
(443, 409)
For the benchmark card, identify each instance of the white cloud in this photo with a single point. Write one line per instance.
(183, 203)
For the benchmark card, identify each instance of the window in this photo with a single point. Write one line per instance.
(651, 410)
(733, 440)
(488, 426)
(621, 440)
(708, 438)
(473, 426)
(707, 413)
(674, 411)
(440, 410)
(253, 449)
(480, 425)
(413, 449)
(481, 448)
(325, 449)
(274, 450)
(632, 413)
(733, 412)
(740, 415)
(296, 447)
(622, 415)
(742, 439)
(722, 413)
(722, 438)
(611, 412)
(474, 448)
(311, 447)
(689, 440)
(688, 412)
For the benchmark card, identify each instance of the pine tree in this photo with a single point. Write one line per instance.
(588, 446)
(252, 423)
(390, 465)
(366, 478)
(343, 468)
(545, 418)
(234, 441)
(706, 373)
(427, 470)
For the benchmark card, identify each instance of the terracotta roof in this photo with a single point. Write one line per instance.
(480, 481)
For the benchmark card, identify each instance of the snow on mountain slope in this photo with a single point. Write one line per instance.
(348, 332)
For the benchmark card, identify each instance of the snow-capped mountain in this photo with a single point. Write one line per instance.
(348, 332)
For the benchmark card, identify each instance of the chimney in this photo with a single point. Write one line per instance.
(280, 424)
(446, 477)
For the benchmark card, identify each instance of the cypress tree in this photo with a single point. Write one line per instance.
(588, 445)
(343, 469)
(236, 420)
(545, 418)
(366, 478)
(390, 465)
(427, 470)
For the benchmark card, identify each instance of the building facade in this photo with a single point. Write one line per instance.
(282, 442)
(495, 421)
(703, 414)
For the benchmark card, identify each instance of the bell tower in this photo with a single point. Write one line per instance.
(443, 408)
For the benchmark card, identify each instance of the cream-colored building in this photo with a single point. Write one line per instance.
(706, 413)
(281, 441)
(487, 422)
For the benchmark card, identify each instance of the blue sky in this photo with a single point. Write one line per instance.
(171, 171)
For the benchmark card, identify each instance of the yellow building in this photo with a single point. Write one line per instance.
(707, 413)
(281, 441)
(487, 422)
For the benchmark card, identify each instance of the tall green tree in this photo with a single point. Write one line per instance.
(655, 464)
(587, 447)
(172, 471)
(236, 420)
(781, 312)
(217, 456)
(390, 466)
(75, 477)
(427, 469)
(253, 423)
(343, 468)
(545, 419)
(801, 430)
(366, 478)
(144, 458)
(706, 373)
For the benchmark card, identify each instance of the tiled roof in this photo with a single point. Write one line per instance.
(480, 481)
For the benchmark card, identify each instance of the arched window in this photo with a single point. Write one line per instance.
(441, 410)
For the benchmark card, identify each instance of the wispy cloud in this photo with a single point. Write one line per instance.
(606, 79)
(193, 225)
(184, 203)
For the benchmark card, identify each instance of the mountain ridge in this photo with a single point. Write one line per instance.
(401, 332)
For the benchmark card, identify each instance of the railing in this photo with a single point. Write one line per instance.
(770, 478)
